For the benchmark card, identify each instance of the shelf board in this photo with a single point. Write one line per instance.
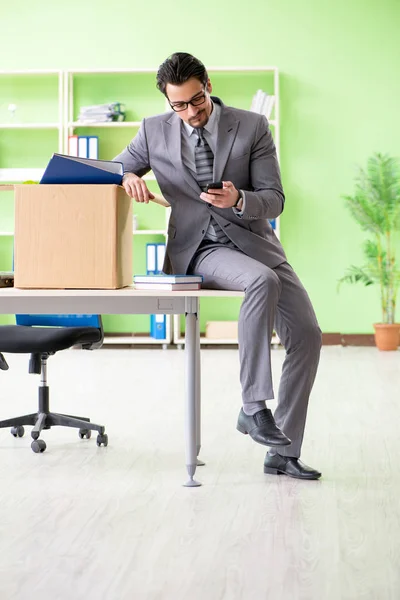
(19, 175)
(131, 340)
(108, 71)
(215, 341)
(249, 69)
(35, 174)
(30, 126)
(133, 71)
(31, 72)
(149, 232)
(135, 232)
(76, 124)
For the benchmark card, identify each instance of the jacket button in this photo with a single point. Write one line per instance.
(203, 231)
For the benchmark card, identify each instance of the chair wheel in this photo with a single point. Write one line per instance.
(38, 446)
(102, 439)
(17, 431)
(85, 433)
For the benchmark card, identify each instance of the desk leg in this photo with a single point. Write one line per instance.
(200, 463)
(191, 391)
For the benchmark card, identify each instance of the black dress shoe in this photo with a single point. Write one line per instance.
(262, 428)
(275, 464)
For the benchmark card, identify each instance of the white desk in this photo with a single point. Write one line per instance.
(129, 301)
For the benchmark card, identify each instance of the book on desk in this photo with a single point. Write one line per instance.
(64, 169)
(168, 282)
(177, 287)
(161, 278)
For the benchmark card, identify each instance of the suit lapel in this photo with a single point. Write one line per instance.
(173, 141)
(227, 128)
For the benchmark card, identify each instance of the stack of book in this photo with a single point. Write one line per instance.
(177, 283)
(102, 113)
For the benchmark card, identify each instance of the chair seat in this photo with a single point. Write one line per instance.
(23, 339)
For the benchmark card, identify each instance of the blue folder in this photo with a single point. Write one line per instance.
(73, 170)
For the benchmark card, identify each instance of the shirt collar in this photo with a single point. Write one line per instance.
(211, 124)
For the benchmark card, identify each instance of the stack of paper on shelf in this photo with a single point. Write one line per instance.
(168, 282)
(102, 113)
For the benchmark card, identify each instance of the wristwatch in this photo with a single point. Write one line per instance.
(238, 200)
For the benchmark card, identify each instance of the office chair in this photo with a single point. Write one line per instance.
(42, 336)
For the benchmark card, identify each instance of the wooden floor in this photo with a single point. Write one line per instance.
(82, 522)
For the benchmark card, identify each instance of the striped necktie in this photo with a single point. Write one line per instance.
(203, 159)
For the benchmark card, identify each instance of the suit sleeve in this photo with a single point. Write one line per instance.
(135, 157)
(266, 200)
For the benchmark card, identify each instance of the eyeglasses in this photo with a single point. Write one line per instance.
(196, 101)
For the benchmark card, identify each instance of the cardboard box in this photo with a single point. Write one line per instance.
(73, 236)
(225, 330)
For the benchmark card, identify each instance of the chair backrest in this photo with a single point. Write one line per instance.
(59, 320)
(65, 321)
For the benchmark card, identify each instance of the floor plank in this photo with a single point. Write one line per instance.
(115, 523)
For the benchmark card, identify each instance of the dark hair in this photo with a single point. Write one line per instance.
(179, 68)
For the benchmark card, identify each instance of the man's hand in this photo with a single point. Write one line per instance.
(136, 188)
(225, 198)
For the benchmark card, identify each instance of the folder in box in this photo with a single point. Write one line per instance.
(65, 169)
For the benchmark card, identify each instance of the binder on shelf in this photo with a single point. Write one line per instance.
(83, 146)
(151, 259)
(73, 145)
(158, 325)
(160, 252)
(154, 263)
(93, 146)
(66, 169)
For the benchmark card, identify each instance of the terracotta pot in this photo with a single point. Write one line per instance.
(387, 336)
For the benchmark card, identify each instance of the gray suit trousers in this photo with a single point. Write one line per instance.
(274, 298)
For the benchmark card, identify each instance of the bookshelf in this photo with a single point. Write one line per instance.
(31, 139)
(136, 89)
(235, 86)
(31, 121)
(31, 129)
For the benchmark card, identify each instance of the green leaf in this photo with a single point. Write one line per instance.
(375, 205)
(356, 275)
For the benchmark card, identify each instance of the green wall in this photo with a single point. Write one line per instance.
(340, 89)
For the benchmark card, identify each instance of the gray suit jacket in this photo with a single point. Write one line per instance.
(245, 155)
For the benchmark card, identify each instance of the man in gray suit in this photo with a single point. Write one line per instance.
(225, 236)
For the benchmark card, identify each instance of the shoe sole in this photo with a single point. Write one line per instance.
(269, 471)
(272, 444)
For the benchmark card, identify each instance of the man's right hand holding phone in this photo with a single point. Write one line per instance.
(222, 194)
(136, 188)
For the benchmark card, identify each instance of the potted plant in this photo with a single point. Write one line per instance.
(375, 205)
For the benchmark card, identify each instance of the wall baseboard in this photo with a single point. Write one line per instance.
(348, 339)
(328, 339)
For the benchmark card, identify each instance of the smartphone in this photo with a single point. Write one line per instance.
(215, 185)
